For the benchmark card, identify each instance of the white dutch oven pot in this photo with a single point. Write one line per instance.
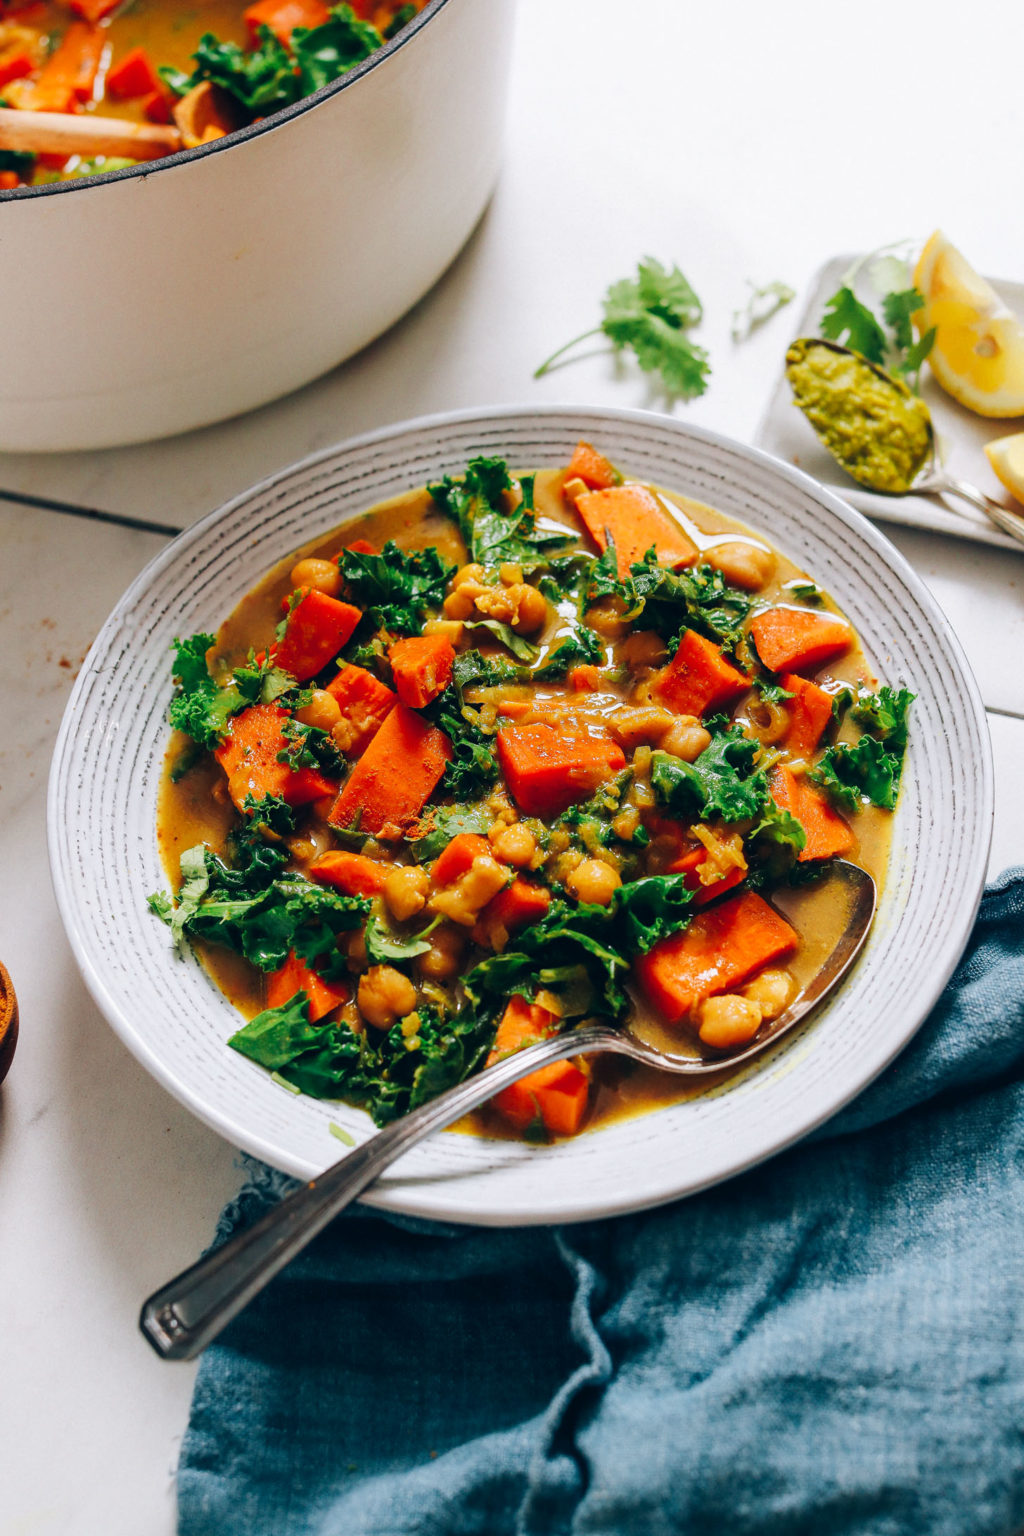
(155, 300)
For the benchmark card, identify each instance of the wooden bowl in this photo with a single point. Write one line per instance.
(8, 1022)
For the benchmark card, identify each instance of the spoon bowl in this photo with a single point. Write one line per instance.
(863, 453)
(185, 1315)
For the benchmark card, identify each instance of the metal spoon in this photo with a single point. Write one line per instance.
(181, 1318)
(930, 479)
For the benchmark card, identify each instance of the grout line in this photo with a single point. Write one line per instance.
(1007, 714)
(93, 514)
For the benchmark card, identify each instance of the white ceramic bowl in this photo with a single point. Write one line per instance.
(106, 770)
(162, 298)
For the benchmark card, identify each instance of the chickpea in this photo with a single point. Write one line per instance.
(686, 740)
(442, 960)
(744, 565)
(771, 990)
(594, 882)
(463, 901)
(323, 711)
(728, 1020)
(515, 845)
(643, 648)
(345, 735)
(405, 891)
(459, 605)
(385, 995)
(521, 606)
(321, 575)
(607, 618)
(634, 726)
(510, 575)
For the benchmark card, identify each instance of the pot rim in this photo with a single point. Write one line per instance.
(241, 135)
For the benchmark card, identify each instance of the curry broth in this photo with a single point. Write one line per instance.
(197, 809)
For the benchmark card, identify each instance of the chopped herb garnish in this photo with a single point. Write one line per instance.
(651, 316)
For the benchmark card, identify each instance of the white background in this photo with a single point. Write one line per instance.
(739, 141)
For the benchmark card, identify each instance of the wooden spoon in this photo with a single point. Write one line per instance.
(8, 1022)
(71, 133)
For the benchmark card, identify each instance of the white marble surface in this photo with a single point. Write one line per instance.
(724, 140)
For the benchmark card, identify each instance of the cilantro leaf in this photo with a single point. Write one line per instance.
(897, 308)
(849, 322)
(721, 782)
(650, 314)
(396, 587)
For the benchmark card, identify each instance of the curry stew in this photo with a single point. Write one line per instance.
(207, 67)
(511, 752)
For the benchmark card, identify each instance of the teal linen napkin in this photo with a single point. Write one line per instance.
(831, 1343)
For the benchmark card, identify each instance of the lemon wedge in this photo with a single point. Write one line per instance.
(978, 355)
(1006, 455)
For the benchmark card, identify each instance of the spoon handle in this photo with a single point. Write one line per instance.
(181, 1318)
(1010, 522)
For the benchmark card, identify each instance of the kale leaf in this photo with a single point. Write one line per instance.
(473, 767)
(701, 599)
(325, 53)
(492, 534)
(723, 780)
(582, 646)
(863, 772)
(261, 79)
(201, 707)
(884, 714)
(572, 951)
(396, 587)
(310, 747)
(384, 947)
(446, 822)
(387, 1075)
(258, 909)
(651, 909)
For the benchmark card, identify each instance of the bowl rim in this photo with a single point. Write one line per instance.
(231, 141)
(407, 1198)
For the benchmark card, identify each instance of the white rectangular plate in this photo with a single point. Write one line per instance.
(784, 431)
